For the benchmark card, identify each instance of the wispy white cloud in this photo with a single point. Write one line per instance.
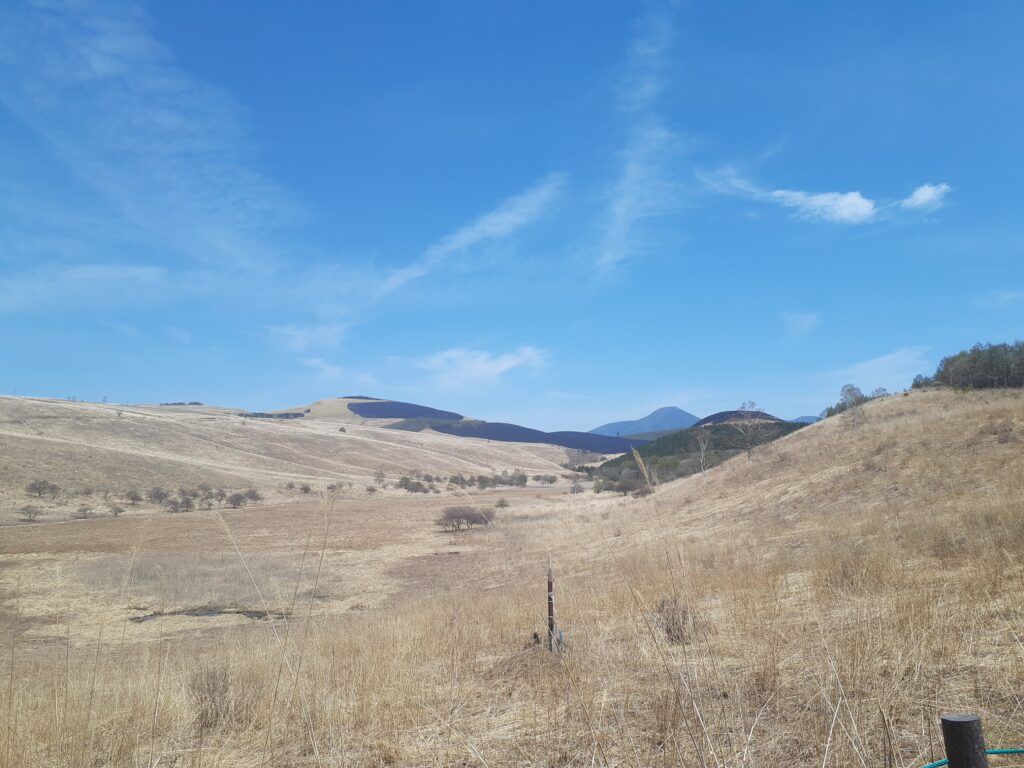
(839, 207)
(303, 337)
(80, 285)
(1002, 299)
(322, 367)
(800, 323)
(124, 329)
(505, 220)
(835, 207)
(642, 188)
(177, 335)
(927, 197)
(894, 370)
(459, 367)
(166, 148)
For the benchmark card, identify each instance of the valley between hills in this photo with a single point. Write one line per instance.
(814, 602)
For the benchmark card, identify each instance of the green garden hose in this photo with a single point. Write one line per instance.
(1015, 751)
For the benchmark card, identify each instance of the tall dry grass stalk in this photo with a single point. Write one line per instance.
(818, 605)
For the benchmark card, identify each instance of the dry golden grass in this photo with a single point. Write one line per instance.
(819, 604)
(96, 452)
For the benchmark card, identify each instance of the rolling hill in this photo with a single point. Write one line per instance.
(784, 610)
(725, 417)
(97, 450)
(663, 419)
(677, 454)
(493, 430)
(410, 417)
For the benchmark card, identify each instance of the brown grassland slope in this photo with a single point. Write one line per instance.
(818, 604)
(92, 451)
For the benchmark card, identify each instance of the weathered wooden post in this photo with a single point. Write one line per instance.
(551, 609)
(965, 745)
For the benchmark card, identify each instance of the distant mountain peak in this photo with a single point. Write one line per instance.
(661, 419)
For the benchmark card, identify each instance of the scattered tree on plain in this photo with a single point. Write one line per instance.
(30, 512)
(157, 495)
(38, 487)
(463, 518)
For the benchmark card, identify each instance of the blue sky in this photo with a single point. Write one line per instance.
(553, 214)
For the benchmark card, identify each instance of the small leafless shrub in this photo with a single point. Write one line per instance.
(674, 619)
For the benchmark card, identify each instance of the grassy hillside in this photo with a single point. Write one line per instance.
(677, 454)
(818, 604)
(91, 450)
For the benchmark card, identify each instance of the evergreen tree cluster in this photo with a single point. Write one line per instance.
(983, 366)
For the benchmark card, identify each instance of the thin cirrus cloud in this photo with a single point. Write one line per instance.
(641, 189)
(800, 323)
(503, 221)
(833, 207)
(1001, 299)
(340, 296)
(81, 285)
(894, 370)
(460, 367)
(165, 148)
(322, 367)
(303, 337)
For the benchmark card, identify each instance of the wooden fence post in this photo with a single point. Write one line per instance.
(551, 609)
(965, 745)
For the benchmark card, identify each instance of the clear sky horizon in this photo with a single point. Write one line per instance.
(558, 215)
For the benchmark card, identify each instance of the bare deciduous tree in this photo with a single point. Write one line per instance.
(703, 449)
(850, 400)
(750, 426)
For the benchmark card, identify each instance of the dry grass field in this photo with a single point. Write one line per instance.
(818, 604)
(95, 453)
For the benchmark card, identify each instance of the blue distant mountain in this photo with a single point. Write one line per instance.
(660, 420)
(806, 419)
